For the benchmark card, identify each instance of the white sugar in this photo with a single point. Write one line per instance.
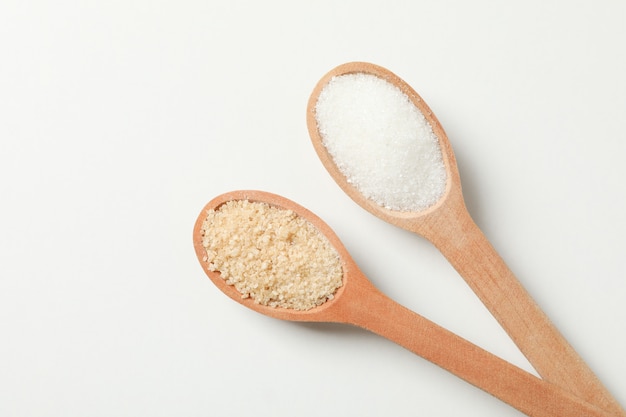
(381, 142)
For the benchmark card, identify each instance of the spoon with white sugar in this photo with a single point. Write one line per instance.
(241, 235)
(385, 148)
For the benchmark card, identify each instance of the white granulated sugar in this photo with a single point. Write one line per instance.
(271, 255)
(381, 142)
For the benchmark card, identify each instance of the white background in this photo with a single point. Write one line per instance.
(119, 120)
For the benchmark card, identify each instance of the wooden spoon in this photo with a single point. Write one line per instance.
(359, 303)
(448, 225)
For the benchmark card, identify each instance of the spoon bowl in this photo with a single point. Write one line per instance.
(448, 225)
(359, 303)
(316, 314)
(452, 195)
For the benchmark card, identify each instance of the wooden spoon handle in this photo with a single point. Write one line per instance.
(468, 250)
(518, 388)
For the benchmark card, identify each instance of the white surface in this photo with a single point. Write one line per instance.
(120, 120)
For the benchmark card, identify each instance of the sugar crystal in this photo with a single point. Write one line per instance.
(381, 142)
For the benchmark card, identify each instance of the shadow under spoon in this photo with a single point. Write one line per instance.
(340, 121)
(358, 302)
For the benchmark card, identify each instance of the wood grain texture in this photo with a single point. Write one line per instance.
(449, 226)
(359, 303)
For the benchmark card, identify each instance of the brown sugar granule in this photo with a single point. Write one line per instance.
(271, 255)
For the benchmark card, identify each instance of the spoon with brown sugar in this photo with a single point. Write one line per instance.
(279, 259)
(386, 149)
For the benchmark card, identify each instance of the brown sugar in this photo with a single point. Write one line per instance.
(271, 255)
